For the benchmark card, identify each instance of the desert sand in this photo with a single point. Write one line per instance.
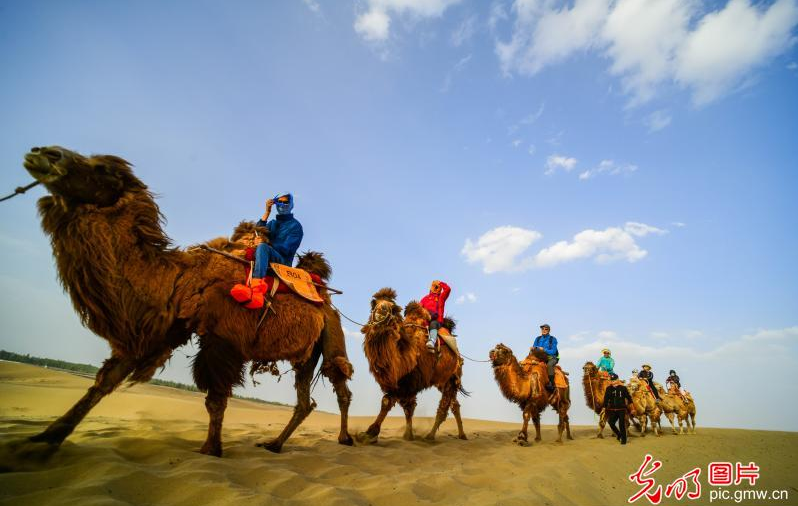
(139, 446)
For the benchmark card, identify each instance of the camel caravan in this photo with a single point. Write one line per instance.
(246, 304)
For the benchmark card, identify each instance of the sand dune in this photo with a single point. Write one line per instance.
(139, 446)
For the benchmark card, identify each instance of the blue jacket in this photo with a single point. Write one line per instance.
(606, 364)
(548, 343)
(285, 235)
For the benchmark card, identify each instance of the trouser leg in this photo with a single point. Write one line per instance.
(613, 419)
(550, 367)
(264, 256)
(434, 325)
(622, 428)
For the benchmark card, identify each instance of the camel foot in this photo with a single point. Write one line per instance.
(521, 442)
(600, 436)
(53, 435)
(274, 446)
(25, 455)
(214, 450)
(462, 436)
(346, 439)
(408, 436)
(570, 437)
(559, 441)
(538, 439)
(430, 437)
(366, 438)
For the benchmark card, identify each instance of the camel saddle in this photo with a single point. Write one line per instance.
(560, 381)
(299, 281)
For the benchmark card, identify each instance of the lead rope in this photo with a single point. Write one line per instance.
(20, 190)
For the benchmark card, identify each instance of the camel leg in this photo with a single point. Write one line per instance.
(304, 405)
(692, 422)
(449, 393)
(456, 412)
(523, 435)
(409, 406)
(567, 420)
(536, 422)
(563, 424)
(643, 424)
(373, 432)
(344, 399)
(602, 423)
(215, 404)
(669, 416)
(113, 372)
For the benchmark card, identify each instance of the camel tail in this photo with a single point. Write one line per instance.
(463, 391)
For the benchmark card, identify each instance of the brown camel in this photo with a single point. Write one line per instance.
(644, 408)
(525, 385)
(672, 404)
(402, 365)
(594, 386)
(690, 405)
(146, 298)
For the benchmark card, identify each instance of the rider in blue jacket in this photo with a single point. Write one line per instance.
(285, 235)
(548, 343)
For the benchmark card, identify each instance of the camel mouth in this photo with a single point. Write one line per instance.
(41, 164)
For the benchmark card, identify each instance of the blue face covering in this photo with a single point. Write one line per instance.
(282, 208)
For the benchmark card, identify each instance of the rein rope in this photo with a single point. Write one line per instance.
(20, 189)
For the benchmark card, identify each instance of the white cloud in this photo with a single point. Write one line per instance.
(642, 230)
(353, 334)
(464, 31)
(608, 167)
(650, 43)
(374, 24)
(678, 224)
(543, 35)
(497, 14)
(458, 67)
(467, 297)
(556, 162)
(498, 249)
(792, 65)
(658, 120)
(531, 149)
(313, 5)
(727, 44)
(516, 142)
(502, 249)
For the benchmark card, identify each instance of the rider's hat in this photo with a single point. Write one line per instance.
(605, 350)
(646, 365)
(613, 376)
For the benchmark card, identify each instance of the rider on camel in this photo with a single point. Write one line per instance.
(435, 303)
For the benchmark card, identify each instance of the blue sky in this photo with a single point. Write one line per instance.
(624, 171)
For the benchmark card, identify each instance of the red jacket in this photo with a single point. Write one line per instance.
(435, 302)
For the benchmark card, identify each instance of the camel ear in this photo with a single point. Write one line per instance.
(373, 303)
(396, 309)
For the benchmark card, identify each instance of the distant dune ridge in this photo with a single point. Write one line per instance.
(139, 446)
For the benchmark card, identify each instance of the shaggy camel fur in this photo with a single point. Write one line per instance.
(644, 408)
(594, 386)
(146, 298)
(400, 362)
(525, 385)
(673, 404)
(670, 405)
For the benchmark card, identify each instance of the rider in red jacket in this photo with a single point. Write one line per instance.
(435, 302)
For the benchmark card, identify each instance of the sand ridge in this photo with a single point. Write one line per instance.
(139, 446)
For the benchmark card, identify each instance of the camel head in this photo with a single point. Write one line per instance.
(99, 180)
(501, 355)
(384, 308)
(590, 369)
